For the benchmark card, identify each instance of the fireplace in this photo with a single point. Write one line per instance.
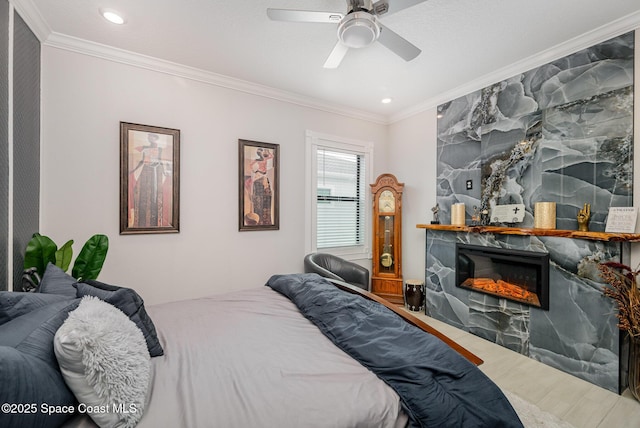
(517, 275)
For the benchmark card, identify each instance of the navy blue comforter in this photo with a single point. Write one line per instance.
(438, 387)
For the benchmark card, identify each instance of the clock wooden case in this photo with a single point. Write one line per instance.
(386, 278)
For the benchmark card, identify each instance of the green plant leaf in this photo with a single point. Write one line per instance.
(89, 262)
(64, 255)
(39, 252)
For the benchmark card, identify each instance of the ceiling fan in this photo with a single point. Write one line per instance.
(358, 28)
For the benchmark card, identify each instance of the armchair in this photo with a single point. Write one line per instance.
(330, 266)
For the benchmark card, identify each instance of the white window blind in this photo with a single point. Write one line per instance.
(340, 198)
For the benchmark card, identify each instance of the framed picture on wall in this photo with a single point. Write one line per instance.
(259, 185)
(149, 179)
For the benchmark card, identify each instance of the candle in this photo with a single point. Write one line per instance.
(545, 215)
(457, 214)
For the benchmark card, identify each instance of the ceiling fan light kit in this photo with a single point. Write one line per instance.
(358, 29)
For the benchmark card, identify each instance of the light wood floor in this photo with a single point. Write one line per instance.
(574, 400)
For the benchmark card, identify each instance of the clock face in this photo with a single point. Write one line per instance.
(386, 202)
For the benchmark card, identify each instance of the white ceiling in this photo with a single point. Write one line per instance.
(463, 42)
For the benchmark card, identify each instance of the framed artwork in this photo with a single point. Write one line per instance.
(149, 179)
(259, 185)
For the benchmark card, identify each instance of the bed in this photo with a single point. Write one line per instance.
(298, 352)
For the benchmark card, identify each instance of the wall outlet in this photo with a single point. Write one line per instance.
(469, 184)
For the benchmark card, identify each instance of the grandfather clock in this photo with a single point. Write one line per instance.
(386, 279)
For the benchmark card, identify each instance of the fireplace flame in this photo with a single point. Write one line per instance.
(502, 288)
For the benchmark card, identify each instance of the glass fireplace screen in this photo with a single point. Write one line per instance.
(517, 275)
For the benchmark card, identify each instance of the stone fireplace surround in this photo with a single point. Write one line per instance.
(563, 133)
(578, 334)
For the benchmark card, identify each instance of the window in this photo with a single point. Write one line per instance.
(338, 177)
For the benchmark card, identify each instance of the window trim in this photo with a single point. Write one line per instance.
(313, 140)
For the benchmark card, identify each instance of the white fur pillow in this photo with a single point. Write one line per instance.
(104, 360)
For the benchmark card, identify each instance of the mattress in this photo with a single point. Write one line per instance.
(250, 359)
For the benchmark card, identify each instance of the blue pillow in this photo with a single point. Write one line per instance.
(15, 304)
(57, 281)
(28, 366)
(129, 302)
(32, 333)
(27, 380)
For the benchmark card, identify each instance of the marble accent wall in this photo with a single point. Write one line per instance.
(562, 132)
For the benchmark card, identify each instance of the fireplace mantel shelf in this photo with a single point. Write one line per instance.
(575, 234)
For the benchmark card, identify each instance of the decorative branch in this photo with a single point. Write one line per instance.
(622, 287)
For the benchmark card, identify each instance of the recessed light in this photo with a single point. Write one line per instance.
(112, 16)
(386, 100)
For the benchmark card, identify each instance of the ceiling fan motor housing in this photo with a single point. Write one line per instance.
(358, 29)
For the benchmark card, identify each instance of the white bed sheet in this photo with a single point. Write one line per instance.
(250, 359)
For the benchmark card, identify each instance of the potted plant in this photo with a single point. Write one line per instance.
(622, 287)
(41, 250)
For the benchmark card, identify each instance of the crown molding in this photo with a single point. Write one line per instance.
(613, 29)
(109, 53)
(32, 17)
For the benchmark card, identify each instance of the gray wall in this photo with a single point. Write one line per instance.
(4, 146)
(19, 143)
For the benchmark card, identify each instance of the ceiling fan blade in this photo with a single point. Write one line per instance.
(304, 16)
(336, 55)
(397, 44)
(387, 7)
